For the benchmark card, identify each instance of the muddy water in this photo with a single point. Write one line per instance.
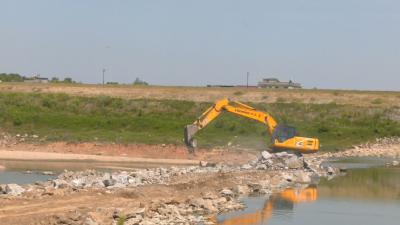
(363, 196)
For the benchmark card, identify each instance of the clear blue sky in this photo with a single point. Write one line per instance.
(345, 44)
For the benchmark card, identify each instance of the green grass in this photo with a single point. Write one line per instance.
(60, 117)
(121, 220)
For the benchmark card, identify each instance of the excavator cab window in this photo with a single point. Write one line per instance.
(284, 132)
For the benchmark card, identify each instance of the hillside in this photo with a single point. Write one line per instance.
(204, 94)
(90, 113)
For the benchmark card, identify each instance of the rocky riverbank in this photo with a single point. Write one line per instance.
(265, 175)
(382, 147)
(170, 195)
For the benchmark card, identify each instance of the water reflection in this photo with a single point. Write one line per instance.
(363, 196)
(373, 184)
(282, 202)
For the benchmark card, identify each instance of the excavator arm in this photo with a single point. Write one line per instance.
(283, 137)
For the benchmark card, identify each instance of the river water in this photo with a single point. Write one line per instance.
(367, 195)
(26, 172)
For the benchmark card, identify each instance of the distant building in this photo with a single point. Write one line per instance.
(36, 79)
(275, 83)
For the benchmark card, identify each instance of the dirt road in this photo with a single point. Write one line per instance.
(168, 154)
(50, 156)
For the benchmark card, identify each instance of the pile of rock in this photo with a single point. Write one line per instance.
(96, 179)
(120, 179)
(190, 211)
(8, 140)
(276, 161)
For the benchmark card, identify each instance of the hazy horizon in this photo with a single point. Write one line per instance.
(341, 44)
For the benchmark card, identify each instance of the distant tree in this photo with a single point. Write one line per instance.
(55, 80)
(68, 80)
(112, 82)
(138, 81)
(11, 77)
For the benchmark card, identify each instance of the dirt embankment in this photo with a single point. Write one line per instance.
(203, 94)
(161, 154)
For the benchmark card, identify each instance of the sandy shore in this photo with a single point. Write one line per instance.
(50, 156)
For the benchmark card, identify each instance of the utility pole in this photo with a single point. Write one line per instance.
(248, 74)
(104, 71)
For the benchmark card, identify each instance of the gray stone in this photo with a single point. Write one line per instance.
(246, 166)
(266, 155)
(58, 183)
(77, 182)
(203, 163)
(226, 192)
(281, 154)
(261, 167)
(294, 162)
(48, 173)
(2, 188)
(14, 189)
(330, 170)
(242, 190)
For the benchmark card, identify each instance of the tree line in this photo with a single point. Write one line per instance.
(14, 77)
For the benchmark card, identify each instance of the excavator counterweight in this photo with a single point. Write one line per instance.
(283, 137)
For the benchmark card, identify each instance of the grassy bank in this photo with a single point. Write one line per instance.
(60, 117)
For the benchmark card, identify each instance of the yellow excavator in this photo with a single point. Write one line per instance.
(283, 137)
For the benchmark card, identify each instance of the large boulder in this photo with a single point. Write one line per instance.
(58, 183)
(294, 162)
(13, 189)
(266, 155)
(227, 192)
(109, 182)
(2, 189)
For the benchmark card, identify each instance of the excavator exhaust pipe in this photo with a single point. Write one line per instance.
(190, 141)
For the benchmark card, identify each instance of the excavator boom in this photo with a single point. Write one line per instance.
(283, 137)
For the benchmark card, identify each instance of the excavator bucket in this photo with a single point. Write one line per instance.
(189, 132)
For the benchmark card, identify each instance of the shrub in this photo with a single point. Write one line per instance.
(280, 100)
(377, 101)
(138, 81)
(237, 93)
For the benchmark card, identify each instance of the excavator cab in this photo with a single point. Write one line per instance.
(283, 132)
(285, 138)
